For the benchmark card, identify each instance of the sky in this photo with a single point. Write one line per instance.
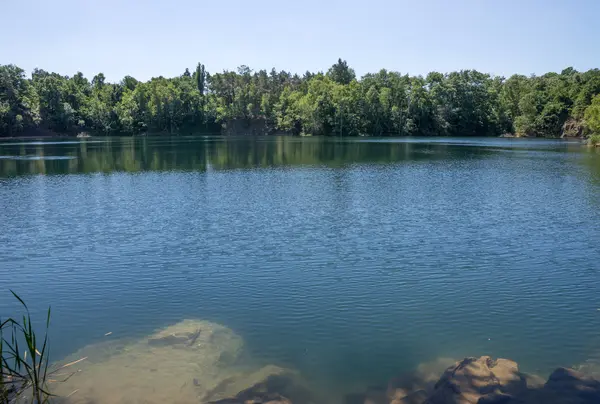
(151, 38)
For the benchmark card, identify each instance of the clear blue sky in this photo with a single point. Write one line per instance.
(151, 37)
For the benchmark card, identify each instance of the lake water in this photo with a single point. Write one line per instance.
(351, 260)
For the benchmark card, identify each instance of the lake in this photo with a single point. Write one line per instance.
(349, 259)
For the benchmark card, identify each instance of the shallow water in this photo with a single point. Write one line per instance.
(350, 260)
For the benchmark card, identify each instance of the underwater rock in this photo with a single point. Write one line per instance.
(423, 378)
(178, 364)
(184, 339)
(257, 398)
(417, 397)
(203, 362)
(590, 367)
(473, 379)
(487, 381)
(409, 388)
(571, 387)
(189, 362)
(483, 380)
(270, 384)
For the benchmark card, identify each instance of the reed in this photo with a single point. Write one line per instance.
(24, 361)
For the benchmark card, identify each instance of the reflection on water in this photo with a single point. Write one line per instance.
(206, 153)
(40, 143)
(36, 157)
(592, 161)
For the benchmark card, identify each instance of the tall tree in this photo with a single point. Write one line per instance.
(341, 73)
(18, 102)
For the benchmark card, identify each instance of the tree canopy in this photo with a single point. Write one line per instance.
(335, 103)
(592, 116)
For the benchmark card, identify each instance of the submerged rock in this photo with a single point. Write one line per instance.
(270, 384)
(570, 386)
(178, 364)
(590, 367)
(183, 338)
(203, 362)
(417, 397)
(189, 362)
(423, 379)
(486, 381)
(475, 379)
(409, 388)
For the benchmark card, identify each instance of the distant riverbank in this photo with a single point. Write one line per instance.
(334, 103)
(238, 131)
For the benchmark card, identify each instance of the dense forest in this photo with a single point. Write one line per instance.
(335, 103)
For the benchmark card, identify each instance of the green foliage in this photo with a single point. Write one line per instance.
(594, 140)
(464, 103)
(23, 373)
(24, 361)
(341, 73)
(18, 106)
(592, 116)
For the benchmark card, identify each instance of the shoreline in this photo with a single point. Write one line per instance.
(246, 135)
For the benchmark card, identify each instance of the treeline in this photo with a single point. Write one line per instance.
(335, 103)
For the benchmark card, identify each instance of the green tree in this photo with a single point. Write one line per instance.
(463, 103)
(18, 101)
(592, 116)
(341, 73)
(55, 110)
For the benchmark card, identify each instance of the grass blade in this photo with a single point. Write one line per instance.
(19, 299)
(23, 373)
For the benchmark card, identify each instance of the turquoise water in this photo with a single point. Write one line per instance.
(349, 259)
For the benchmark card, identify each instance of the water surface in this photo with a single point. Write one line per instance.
(349, 259)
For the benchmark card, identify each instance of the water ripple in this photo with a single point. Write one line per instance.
(349, 271)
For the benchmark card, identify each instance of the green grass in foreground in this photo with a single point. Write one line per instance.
(23, 372)
(24, 361)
